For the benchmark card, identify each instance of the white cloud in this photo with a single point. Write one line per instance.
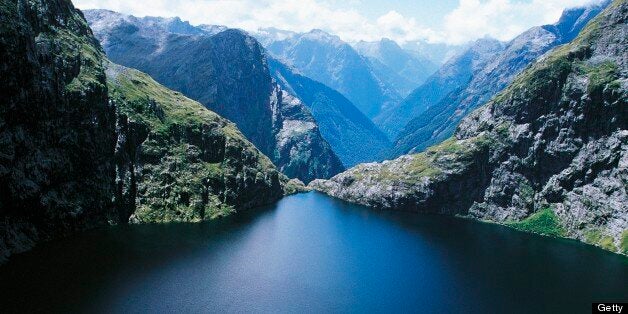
(502, 19)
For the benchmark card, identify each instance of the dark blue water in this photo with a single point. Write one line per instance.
(310, 253)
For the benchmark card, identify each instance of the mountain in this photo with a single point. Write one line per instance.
(402, 69)
(331, 61)
(454, 75)
(352, 136)
(439, 119)
(268, 35)
(437, 53)
(227, 72)
(549, 154)
(88, 143)
(178, 161)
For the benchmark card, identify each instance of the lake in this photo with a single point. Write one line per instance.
(312, 253)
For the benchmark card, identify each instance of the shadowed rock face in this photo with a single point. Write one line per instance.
(227, 72)
(88, 143)
(547, 155)
(435, 109)
(352, 136)
(57, 130)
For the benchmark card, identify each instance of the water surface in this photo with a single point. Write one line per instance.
(311, 253)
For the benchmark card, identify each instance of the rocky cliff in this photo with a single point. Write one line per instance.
(439, 116)
(57, 129)
(547, 155)
(88, 143)
(227, 72)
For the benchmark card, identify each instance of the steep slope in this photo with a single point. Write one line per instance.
(439, 120)
(178, 161)
(227, 72)
(352, 136)
(454, 75)
(56, 127)
(329, 60)
(548, 155)
(402, 70)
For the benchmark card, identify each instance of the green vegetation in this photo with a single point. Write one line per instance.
(544, 222)
(595, 237)
(526, 192)
(451, 155)
(624, 242)
(148, 102)
(90, 56)
(600, 75)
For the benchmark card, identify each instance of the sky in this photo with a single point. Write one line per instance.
(435, 21)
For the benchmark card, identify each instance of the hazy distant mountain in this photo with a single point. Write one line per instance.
(352, 136)
(402, 69)
(225, 70)
(268, 35)
(439, 116)
(438, 53)
(453, 75)
(333, 62)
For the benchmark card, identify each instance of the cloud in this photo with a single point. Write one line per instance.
(502, 19)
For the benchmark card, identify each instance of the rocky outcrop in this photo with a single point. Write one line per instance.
(227, 72)
(57, 129)
(352, 136)
(547, 155)
(435, 116)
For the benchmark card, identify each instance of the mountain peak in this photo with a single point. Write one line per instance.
(323, 36)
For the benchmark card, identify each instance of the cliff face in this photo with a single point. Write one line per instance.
(57, 129)
(547, 155)
(227, 72)
(352, 136)
(438, 116)
(87, 143)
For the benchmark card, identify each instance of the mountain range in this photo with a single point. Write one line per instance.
(402, 69)
(437, 107)
(327, 59)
